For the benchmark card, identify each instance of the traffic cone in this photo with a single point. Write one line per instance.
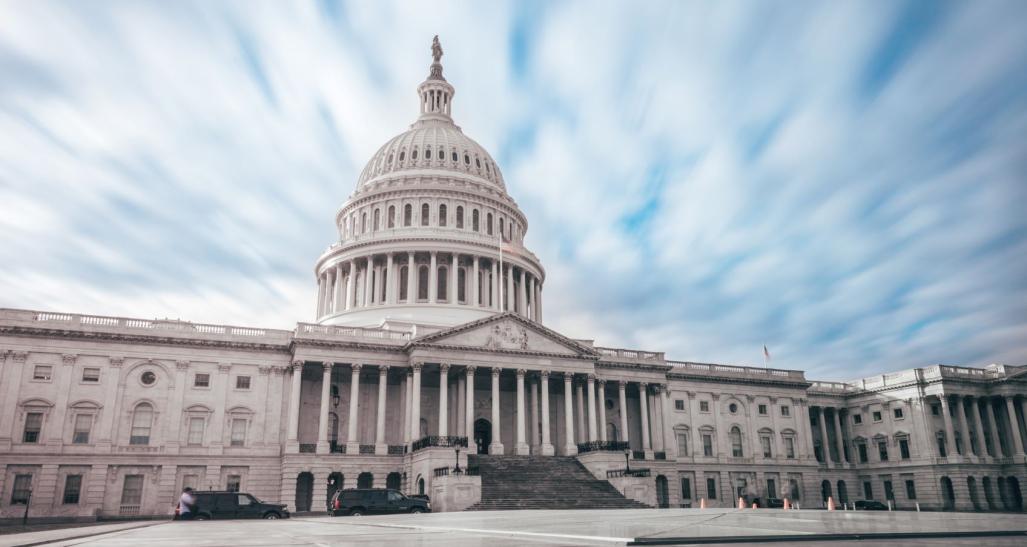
(830, 503)
(741, 503)
(788, 504)
(754, 506)
(702, 503)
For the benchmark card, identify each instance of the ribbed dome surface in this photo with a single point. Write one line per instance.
(432, 144)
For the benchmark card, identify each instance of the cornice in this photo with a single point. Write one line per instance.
(736, 380)
(486, 250)
(133, 338)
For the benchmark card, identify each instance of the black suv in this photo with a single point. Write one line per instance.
(375, 501)
(870, 505)
(234, 505)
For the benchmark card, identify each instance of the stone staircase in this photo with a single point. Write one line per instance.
(543, 482)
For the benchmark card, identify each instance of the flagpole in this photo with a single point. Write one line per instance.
(502, 303)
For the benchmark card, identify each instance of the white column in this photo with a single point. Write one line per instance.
(494, 287)
(349, 283)
(390, 280)
(582, 427)
(1014, 426)
(411, 279)
(592, 408)
(825, 446)
(294, 404)
(454, 291)
(352, 442)
(376, 283)
(369, 282)
(433, 279)
(964, 429)
(950, 433)
(496, 447)
(602, 410)
(538, 305)
(643, 396)
(982, 447)
(322, 424)
(460, 413)
(838, 437)
(547, 445)
(443, 399)
(570, 448)
(670, 441)
(475, 294)
(415, 405)
(469, 406)
(994, 447)
(509, 296)
(337, 305)
(534, 443)
(654, 419)
(320, 295)
(408, 397)
(380, 447)
(522, 446)
(522, 294)
(622, 387)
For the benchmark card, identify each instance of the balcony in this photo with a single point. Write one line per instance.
(602, 446)
(439, 441)
(617, 473)
(731, 371)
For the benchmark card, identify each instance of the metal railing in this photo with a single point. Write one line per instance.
(397, 449)
(367, 449)
(602, 446)
(617, 473)
(659, 455)
(336, 447)
(308, 448)
(469, 471)
(638, 454)
(441, 441)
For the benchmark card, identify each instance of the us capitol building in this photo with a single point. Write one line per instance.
(429, 339)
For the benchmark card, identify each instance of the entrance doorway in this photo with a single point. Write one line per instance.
(662, 493)
(482, 435)
(304, 491)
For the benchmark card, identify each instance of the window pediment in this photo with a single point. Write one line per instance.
(36, 402)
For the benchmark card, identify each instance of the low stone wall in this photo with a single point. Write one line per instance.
(642, 489)
(455, 493)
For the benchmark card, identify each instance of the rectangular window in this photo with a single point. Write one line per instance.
(72, 489)
(707, 444)
(942, 449)
(765, 443)
(195, 431)
(897, 413)
(33, 425)
(857, 419)
(682, 444)
(889, 493)
(862, 449)
(911, 489)
(83, 423)
(201, 380)
(42, 372)
(238, 432)
(711, 489)
(786, 411)
(704, 406)
(868, 490)
(790, 448)
(936, 410)
(762, 409)
(242, 382)
(20, 492)
(882, 450)
(686, 488)
(904, 448)
(91, 375)
(132, 490)
(233, 482)
(877, 416)
(771, 488)
(679, 404)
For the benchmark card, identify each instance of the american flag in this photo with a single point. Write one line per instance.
(766, 353)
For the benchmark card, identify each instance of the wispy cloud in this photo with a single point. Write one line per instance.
(845, 185)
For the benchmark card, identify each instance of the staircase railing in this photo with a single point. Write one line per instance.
(602, 446)
(470, 471)
(444, 441)
(617, 473)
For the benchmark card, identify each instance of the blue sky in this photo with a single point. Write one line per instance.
(843, 182)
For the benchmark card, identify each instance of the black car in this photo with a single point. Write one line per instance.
(870, 505)
(234, 505)
(375, 501)
(774, 503)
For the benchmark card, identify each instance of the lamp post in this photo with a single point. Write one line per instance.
(457, 468)
(28, 499)
(627, 459)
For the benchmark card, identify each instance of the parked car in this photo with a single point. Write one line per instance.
(870, 505)
(234, 505)
(375, 501)
(774, 503)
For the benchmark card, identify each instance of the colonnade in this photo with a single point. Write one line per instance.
(837, 426)
(590, 394)
(994, 430)
(430, 277)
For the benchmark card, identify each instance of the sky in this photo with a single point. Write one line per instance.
(843, 182)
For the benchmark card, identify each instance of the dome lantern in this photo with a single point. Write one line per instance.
(435, 93)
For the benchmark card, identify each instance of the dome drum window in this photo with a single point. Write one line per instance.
(413, 154)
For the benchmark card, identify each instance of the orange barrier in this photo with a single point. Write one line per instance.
(741, 503)
(754, 506)
(788, 504)
(830, 503)
(702, 503)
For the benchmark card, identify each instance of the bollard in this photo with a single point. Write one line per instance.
(830, 503)
(918, 507)
(889, 505)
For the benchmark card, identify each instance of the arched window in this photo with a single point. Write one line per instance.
(736, 442)
(408, 214)
(377, 219)
(442, 214)
(142, 422)
(454, 156)
(422, 283)
(365, 480)
(363, 223)
(402, 154)
(425, 213)
(442, 155)
(394, 480)
(392, 216)
(474, 220)
(461, 285)
(467, 159)
(488, 224)
(459, 217)
(403, 272)
(502, 230)
(441, 294)
(477, 162)
(413, 155)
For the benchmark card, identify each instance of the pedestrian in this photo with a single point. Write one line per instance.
(187, 504)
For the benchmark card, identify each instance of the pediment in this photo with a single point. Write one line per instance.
(509, 333)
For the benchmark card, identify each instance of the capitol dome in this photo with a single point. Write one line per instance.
(429, 238)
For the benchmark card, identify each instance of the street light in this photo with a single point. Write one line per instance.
(457, 468)
(627, 459)
(28, 499)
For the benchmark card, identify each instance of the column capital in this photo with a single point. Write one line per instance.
(443, 368)
(296, 366)
(264, 370)
(521, 372)
(223, 368)
(470, 369)
(621, 385)
(568, 378)
(602, 381)
(278, 371)
(19, 357)
(416, 367)
(496, 371)
(355, 367)
(750, 398)
(383, 370)
(544, 374)
(327, 366)
(591, 377)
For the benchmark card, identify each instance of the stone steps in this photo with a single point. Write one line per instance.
(543, 482)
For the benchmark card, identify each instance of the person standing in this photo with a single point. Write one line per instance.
(187, 504)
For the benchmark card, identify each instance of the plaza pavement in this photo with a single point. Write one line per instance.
(580, 527)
